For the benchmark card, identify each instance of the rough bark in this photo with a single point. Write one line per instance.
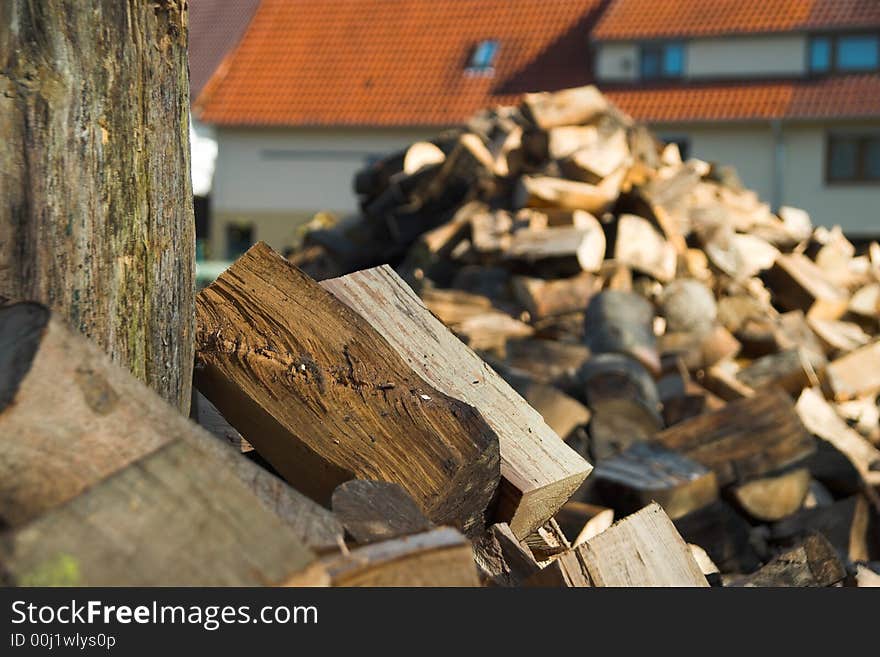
(97, 219)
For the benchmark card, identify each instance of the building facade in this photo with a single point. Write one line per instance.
(786, 92)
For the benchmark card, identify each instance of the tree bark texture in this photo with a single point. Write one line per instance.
(96, 220)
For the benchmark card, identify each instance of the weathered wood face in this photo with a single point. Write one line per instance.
(325, 398)
(97, 219)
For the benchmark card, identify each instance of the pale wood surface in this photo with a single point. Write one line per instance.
(774, 497)
(440, 557)
(643, 549)
(75, 418)
(639, 245)
(822, 420)
(539, 471)
(856, 374)
(177, 517)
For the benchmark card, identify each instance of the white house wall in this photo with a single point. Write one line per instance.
(750, 148)
(274, 179)
(752, 56)
(276, 170)
(856, 207)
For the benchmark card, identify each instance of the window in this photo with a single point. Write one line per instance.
(239, 238)
(820, 55)
(664, 60)
(844, 53)
(858, 53)
(483, 55)
(853, 158)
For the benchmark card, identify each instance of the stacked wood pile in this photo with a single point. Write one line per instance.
(550, 353)
(700, 350)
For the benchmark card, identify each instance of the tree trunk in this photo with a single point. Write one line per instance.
(97, 219)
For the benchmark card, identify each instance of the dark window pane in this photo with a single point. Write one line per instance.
(651, 62)
(872, 158)
(239, 238)
(843, 160)
(820, 54)
(673, 60)
(858, 53)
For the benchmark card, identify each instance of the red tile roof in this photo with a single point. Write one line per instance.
(215, 27)
(654, 19)
(395, 62)
(851, 96)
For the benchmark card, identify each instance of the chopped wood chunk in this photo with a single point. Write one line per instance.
(744, 440)
(622, 322)
(772, 498)
(539, 471)
(440, 557)
(325, 398)
(374, 511)
(648, 472)
(544, 298)
(813, 562)
(177, 500)
(798, 284)
(643, 549)
(639, 245)
(855, 375)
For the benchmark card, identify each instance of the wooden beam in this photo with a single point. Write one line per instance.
(539, 471)
(324, 397)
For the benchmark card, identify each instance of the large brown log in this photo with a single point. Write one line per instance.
(97, 216)
(70, 418)
(325, 398)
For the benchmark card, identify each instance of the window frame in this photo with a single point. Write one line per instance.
(861, 177)
(660, 48)
(833, 63)
(494, 45)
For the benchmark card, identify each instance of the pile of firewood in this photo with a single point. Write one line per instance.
(550, 353)
(701, 351)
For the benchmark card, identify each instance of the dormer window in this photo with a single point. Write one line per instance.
(662, 61)
(483, 56)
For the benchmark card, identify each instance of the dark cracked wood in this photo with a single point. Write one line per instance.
(324, 397)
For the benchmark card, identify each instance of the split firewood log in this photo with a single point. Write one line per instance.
(324, 397)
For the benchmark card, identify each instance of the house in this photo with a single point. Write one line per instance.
(788, 91)
(215, 28)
